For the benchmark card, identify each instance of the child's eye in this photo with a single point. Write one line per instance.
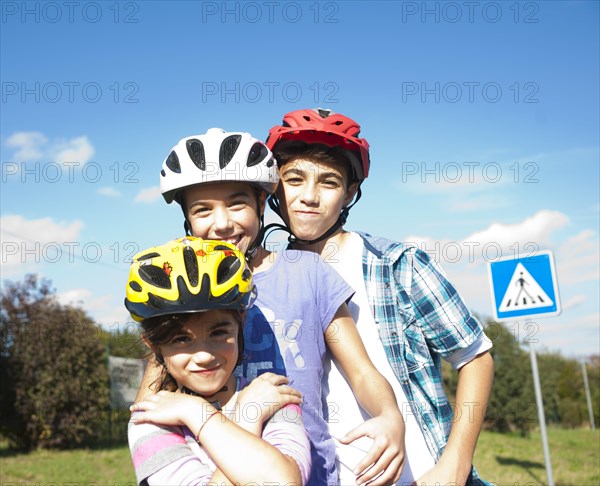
(222, 333)
(238, 204)
(180, 339)
(219, 333)
(199, 211)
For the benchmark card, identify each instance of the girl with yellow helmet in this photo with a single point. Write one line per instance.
(190, 296)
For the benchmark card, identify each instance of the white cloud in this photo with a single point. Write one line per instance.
(101, 308)
(75, 297)
(109, 192)
(28, 145)
(36, 147)
(574, 301)
(577, 260)
(572, 337)
(499, 240)
(536, 229)
(34, 241)
(75, 150)
(148, 195)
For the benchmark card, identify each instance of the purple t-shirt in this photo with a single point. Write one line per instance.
(284, 333)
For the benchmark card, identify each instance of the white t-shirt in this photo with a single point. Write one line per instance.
(344, 412)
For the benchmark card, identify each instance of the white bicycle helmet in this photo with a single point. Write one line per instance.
(217, 156)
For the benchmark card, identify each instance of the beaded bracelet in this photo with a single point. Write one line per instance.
(212, 414)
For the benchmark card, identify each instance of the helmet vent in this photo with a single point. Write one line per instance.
(173, 162)
(135, 286)
(257, 153)
(196, 152)
(227, 269)
(228, 148)
(146, 256)
(155, 276)
(191, 265)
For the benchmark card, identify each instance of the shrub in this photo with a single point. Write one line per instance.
(54, 375)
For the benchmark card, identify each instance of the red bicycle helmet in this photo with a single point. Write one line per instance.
(326, 127)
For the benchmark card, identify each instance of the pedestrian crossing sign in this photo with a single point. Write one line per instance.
(524, 287)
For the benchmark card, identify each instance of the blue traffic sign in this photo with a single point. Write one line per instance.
(524, 287)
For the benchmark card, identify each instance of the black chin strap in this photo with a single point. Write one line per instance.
(292, 238)
(253, 248)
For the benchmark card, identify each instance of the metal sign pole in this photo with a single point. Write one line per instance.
(527, 287)
(542, 418)
(587, 395)
(109, 394)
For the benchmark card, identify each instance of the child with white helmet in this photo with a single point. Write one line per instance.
(221, 180)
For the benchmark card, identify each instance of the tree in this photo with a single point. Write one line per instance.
(125, 342)
(512, 404)
(563, 391)
(55, 380)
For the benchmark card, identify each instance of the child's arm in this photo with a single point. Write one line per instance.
(472, 395)
(376, 396)
(240, 455)
(148, 386)
(268, 395)
(449, 328)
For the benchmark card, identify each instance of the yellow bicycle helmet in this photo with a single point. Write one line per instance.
(188, 275)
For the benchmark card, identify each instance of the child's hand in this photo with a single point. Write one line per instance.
(268, 393)
(444, 472)
(167, 408)
(385, 459)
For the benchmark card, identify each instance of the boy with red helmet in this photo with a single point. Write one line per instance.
(407, 313)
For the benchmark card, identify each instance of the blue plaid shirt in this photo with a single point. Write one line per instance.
(420, 318)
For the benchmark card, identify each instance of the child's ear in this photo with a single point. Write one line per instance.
(151, 347)
(262, 202)
(350, 193)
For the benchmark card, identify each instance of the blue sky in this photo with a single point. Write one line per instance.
(483, 118)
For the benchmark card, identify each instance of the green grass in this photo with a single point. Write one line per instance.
(109, 466)
(505, 459)
(508, 459)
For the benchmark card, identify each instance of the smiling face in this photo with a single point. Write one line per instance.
(311, 196)
(226, 211)
(202, 355)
